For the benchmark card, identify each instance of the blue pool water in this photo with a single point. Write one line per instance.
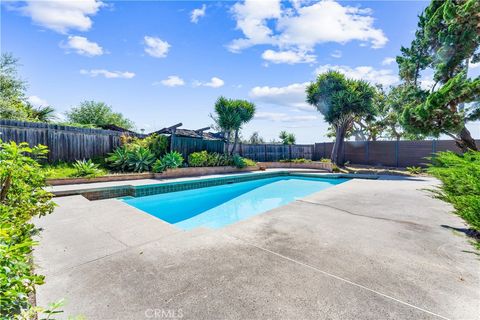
(218, 206)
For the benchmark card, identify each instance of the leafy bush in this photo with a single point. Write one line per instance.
(205, 159)
(198, 159)
(171, 160)
(22, 197)
(86, 169)
(460, 177)
(241, 162)
(414, 170)
(158, 144)
(325, 160)
(140, 159)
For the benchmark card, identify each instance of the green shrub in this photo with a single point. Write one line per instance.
(156, 143)
(198, 159)
(205, 159)
(86, 169)
(241, 162)
(22, 197)
(325, 160)
(58, 170)
(414, 170)
(118, 159)
(460, 177)
(171, 160)
(140, 159)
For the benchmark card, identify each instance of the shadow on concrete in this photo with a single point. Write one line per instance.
(474, 234)
(406, 178)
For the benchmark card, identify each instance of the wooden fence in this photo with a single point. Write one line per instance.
(378, 153)
(275, 152)
(186, 145)
(65, 143)
(71, 143)
(388, 153)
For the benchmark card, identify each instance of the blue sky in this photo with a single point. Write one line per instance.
(164, 62)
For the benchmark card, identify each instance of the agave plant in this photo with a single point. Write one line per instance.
(118, 159)
(171, 160)
(86, 169)
(140, 159)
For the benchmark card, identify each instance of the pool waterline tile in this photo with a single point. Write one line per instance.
(174, 186)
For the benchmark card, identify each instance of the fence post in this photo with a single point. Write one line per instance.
(434, 148)
(324, 150)
(289, 152)
(265, 152)
(366, 152)
(396, 152)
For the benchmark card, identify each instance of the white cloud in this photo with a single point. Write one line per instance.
(304, 26)
(83, 46)
(37, 101)
(171, 81)
(426, 81)
(108, 74)
(283, 117)
(196, 14)
(213, 83)
(336, 54)
(385, 77)
(62, 15)
(290, 96)
(251, 17)
(289, 57)
(388, 61)
(156, 47)
(472, 65)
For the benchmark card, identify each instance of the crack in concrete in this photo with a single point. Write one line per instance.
(339, 278)
(360, 215)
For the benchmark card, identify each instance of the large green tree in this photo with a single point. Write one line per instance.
(13, 101)
(446, 41)
(340, 100)
(230, 116)
(97, 114)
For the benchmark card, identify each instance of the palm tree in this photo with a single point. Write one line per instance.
(340, 100)
(246, 111)
(42, 113)
(230, 116)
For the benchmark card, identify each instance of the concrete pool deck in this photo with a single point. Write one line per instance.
(364, 249)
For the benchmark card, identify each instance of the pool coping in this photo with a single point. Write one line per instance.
(100, 193)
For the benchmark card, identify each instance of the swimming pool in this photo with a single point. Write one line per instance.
(218, 206)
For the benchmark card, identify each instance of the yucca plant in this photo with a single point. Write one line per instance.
(140, 159)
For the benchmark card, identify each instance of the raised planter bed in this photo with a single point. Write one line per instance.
(107, 178)
(307, 165)
(201, 171)
(169, 174)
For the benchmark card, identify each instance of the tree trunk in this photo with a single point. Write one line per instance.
(227, 142)
(235, 141)
(465, 141)
(337, 151)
